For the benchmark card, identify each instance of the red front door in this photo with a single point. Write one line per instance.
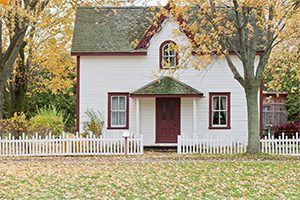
(167, 120)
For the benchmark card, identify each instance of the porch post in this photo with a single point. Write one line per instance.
(137, 115)
(194, 115)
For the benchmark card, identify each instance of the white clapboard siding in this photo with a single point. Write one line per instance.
(65, 145)
(128, 73)
(281, 145)
(210, 145)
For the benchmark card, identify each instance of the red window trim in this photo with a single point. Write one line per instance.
(211, 94)
(160, 55)
(110, 94)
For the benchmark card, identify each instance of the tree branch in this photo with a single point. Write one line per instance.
(224, 37)
(231, 65)
(13, 55)
(253, 41)
(239, 27)
(234, 70)
(12, 45)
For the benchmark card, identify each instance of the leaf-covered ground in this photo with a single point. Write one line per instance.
(154, 175)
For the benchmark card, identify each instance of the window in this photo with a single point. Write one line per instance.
(172, 109)
(118, 110)
(168, 55)
(219, 110)
(266, 108)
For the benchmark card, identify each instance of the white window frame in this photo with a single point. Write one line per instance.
(111, 111)
(213, 110)
(169, 44)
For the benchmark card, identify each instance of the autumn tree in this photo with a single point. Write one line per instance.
(37, 38)
(43, 71)
(282, 73)
(47, 64)
(224, 27)
(22, 16)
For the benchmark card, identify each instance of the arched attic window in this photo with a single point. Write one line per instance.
(168, 57)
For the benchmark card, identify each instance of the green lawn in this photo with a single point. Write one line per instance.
(162, 176)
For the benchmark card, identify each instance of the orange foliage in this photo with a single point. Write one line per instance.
(3, 1)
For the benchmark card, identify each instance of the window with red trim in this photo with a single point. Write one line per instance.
(168, 56)
(219, 110)
(118, 106)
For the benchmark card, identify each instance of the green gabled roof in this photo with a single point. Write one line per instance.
(166, 86)
(114, 29)
(109, 29)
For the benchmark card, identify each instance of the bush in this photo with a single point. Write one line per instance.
(15, 125)
(95, 123)
(66, 103)
(289, 129)
(47, 120)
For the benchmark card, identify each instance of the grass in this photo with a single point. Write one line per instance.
(158, 176)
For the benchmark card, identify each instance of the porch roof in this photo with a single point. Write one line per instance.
(166, 86)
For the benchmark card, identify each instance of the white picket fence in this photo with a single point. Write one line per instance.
(282, 145)
(210, 145)
(65, 145)
(229, 145)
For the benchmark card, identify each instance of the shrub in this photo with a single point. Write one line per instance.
(95, 123)
(47, 120)
(289, 129)
(16, 125)
(66, 103)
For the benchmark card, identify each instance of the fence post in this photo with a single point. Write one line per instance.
(90, 142)
(283, 144)
(179, 144)
(142, 144)
(68, 145)
(126, 134)
(126, 146)
(36, 144)
(297, 143)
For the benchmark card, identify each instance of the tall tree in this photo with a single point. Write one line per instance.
(241, 27)
(37, 38)
(282, 73)
(21, 15)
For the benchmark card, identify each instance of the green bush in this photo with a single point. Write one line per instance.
(66, 103)
(47, 120)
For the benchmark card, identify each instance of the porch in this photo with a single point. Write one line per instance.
(158, 125)
(165, 109)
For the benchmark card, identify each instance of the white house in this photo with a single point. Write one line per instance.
(117, 78)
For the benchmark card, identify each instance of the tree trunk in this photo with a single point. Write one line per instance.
(7, 68)
(9, 100)
(2, 96)
(253, 121)
(20, 98)
(20, 83)
(2, 82)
